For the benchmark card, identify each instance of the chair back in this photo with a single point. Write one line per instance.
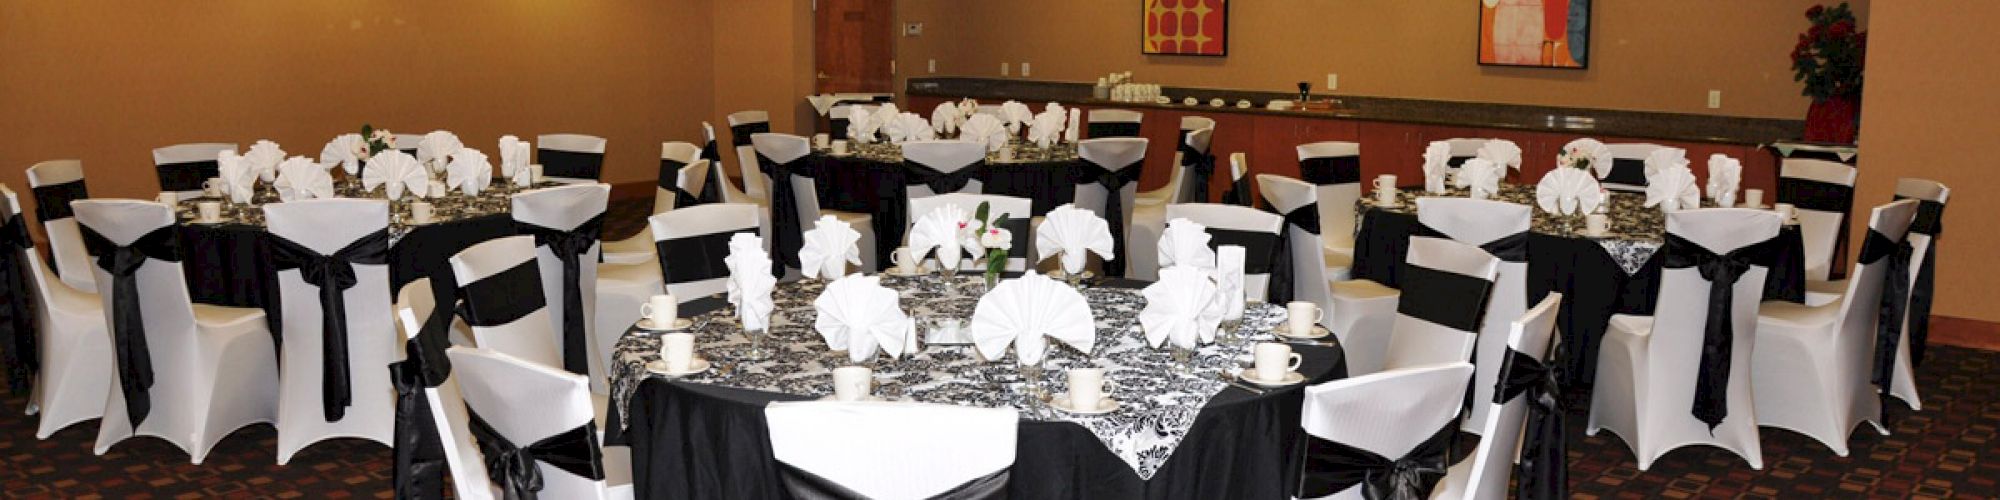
(1192, 123)
(1446, 285)
(1018, 214)
(1628, 167)
(407, 143)
(568, 213)
(570, 158)
(784, 149)
(56, 183)
(184, 167)
(1386, 413)
(692, 243)
(1680, 314)
(492, 276)
(1257, 231)
(893, 450)
(1860, 306)
(1501, 426)
(1463, 149)
(1503, 230)
(1106, 123)
(326, 227)
(1823, 192)
(1335, 167)
(675, 157)
(525, 403)
(946, 157)
(1193, 142)
(445, 404)
(162, 296)
(1309, 274)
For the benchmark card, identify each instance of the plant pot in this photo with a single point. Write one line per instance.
(1833, 120)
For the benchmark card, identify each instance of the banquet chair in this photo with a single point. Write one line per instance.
(683, 176)
(787, 149)
(184, 167)
(828, 449)
(1484, 474)
(1104, 123)
(1259, 233)
(1113, 167)
(533, 411)
(70, 334)
(838, 119)
(1925, 230)
(718, 173)
(1396, 415)
(1191, 152)
(213, 369)
(943, 164)
(493, 276)
(407, 143)
(56, 183)
(693, 242)
(1648, 368)
(1447, 285)
(565, 222)
(445, 404)
(1239, 180)
(743, 125)
(1463, 149)
(1812, 370)
(570, 158)
(352, 233)
(1016, 209)
(1298, 201)
(1823, 193)
(419, 296)
(1335, 167)
(1627, 172)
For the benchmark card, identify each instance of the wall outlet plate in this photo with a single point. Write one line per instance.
(933, 66)
(1005, 68)
(913, 29)
(1024, 69)
(1714, 99)
(1332, 81)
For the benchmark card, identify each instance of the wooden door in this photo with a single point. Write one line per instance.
(854, 45)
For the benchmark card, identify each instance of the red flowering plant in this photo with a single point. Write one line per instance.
(1830, 54)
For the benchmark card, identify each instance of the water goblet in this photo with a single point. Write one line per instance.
(757, 351)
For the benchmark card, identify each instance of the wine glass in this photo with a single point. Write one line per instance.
(757, 351)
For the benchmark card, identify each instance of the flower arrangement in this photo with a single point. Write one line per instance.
(1830, 54)
(992, 241)
(1582, 154)
(377, 140)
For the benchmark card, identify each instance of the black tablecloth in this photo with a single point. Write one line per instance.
(856, 184)
(701, 441)
(1593, 285)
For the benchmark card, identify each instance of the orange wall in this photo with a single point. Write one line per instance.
(108, 81)
(1647, 55)
(1929, 111)
(763, 61)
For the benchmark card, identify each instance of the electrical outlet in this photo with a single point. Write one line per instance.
(1004, 68)
(892, 66)
(1714, 99)
(933, 66)
(1024, 70)
(1332, 81)
(913, 29)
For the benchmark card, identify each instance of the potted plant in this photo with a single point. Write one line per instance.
(1828, 60)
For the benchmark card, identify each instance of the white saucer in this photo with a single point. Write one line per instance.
(1250, 375)
(1597, 236)
(1285, 330)
(840, 155)
(207, 222)
(870, 398)
(896, 272)
(1379, 204)
(660, 366)
(1758, 206)
(1104, 405)
(679, 324)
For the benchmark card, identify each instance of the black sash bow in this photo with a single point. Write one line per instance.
(942, 182)
(187, 176)
(696, 258)
(1711, 389)
(571, 164)
(17, 316)
(786, 238)
(1878, 248)
(333, 274)
(128, 323)
(1114, 182)
(1238, 193)
(1333, 467)
(52, 201)
(1200, 168)
(513, 466)
(1449, 299)
(1328, 170)
(670, 180)
(805, 485)
(569, 246)
(711, 191)
(1543, 471)
(419, 453)
(1929, 221)
(1305, 218)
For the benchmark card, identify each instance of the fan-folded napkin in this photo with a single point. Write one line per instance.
(1074, 233)
(514, 160)
(942, 229)
(345, 150)
(1568, 191)
(264, 157)
(909, 127)
(1481, 176)
(436, 149)
(1185, 243)
(1724, 175)
(750, 281)
(398, 171)
(1016, 115)
(829, 246)
(945, 118)
(1437, 166)
(1022, 311)
(859, 315)
(469, 171)
(984, 129)
(239, 180)
(1673, 189)
(301, 179)
(1047, 128)
(1181, 306)
(1501, 152)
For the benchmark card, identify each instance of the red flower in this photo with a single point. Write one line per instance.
(1841, 29)
(1814, 12)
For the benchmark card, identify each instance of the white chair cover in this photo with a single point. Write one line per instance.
(184, 167)
(570, 158)
(1103, 123)
(1501, 229)
(718, 171)
(1464, 149)
(1336, 168)
(565, 222)
(692, 243)
(1016, 208)
(55, 184)
(1484, 474)
(446, 406)
(1823, 193)
(677, 160)
(742, 126)
(946, 157)
(492, 276)
(787, 148)
(1438, 317)
(1931, 198)
(892, 450)
(1394, 415)
(1255, 230)
(341, 229)
(1119, 160)
(540, 410)
(1627, 171)
(1310, 275)
(71, 385)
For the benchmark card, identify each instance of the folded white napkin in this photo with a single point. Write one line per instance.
(1663, 159)
(1501, 152)
(1229, 280)
(1072, 129)
(239, 181)
(944, 229)
(469, 171)
(1724, 176)
(513, 156)
(1016, 115)
(750, 281)
(1673, 189)
(968, 106)
(301, 179)
(1021, 311)
(858, 314)
(346, 150)
(1181, 306)
(1586, 153)
(829, 246)
(436, 149)
(1185, 243)
(264, 157)
(1481, 176)
(862, 127)
(909, 127)
(399, 172)
(1047, 128)
(744, 247)
(945, 118)
(986, 129)
(1074, 233)
(1437, 166)
(1568, 191)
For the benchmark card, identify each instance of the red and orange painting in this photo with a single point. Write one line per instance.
(1186, 27)
(1540, 33)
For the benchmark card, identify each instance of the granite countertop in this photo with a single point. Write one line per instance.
(1580, 121)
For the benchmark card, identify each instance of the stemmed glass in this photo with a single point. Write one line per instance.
(1031, 381)
(756, 351)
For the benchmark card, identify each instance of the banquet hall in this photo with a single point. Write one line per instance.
(1046, 249)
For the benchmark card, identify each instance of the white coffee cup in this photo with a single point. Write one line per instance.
(1385, 182)
(677, 351)
(210, 211)
(437, 188)
(851, 383)
(1007, 153)
(1274, 360)
(535, 172)
(212, 187)
(420, 212)
(1597, 224)
(169, 199)
(822, 140)
(1086, 388)
(1786, 212)
(840, 147)
(662, 310)
(1302, 315)
(1753, 198)
(905, 261)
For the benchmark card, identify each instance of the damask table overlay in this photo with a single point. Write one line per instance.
(1636, 230)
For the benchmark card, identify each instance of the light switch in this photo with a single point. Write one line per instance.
(1024, 70)
(1004, 68)
(1332, 81)
(1714, 99)
(933, 66)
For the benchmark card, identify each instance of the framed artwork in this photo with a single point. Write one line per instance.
(1535, 33)
(1185, 27)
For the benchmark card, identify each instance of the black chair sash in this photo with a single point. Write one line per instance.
(128, 323)
(1451, 300)
(711, 191)
(1510, 248)
(1332, 467)
(498, 299)
(696, 258)
(942, 182)
(1328, 170)
(187, 176)
(571, 164)
(1929, 221)
(785, 224)
(513, 466)
(52, 201)
(1543, 471)
(1711, 390)
(1627, 171)
(804, 485)
(1820, 154)
(1306, 218)
(670, 171)
(1112, 129)
(739, 135)
(1878, 248)
(1200, 168)
(1807, 194)
(419, 453)
(1113, 182)
(1238, 193)
(569, 247)
(333, 274)
(17, 316)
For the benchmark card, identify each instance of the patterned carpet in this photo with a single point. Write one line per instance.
(1949, 450)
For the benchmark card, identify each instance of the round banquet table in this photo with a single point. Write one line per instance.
(1176, 435)
(1618, 273)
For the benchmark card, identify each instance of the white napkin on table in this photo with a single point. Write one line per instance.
(1673, 189)
(264, 157)
(239, 181)
(346, 150)
(469, 171)
(1047, 128)
(1437, 166)
(1075, 233)
(1664, 158)
(858, 314)
(829, 246)
(514, 157)
(986, 129)
(910, 127)
(750, 281)
(399, 171)
(1229, 280)
(1185, 243)
(945, 118)
(436, 148)
(1481, 176)
(301, 179)
(1073, 128)
(1501, 152)
(943, 229)
(1566, 190)
(862, 127)
(1724, 175)
(1022, 311)
(744, 247)
(1016, 115)
(968, 106)
(1181, 306)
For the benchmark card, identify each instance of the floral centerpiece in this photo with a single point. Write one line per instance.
(1828, 60)
(377, 140)
(990, 241)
